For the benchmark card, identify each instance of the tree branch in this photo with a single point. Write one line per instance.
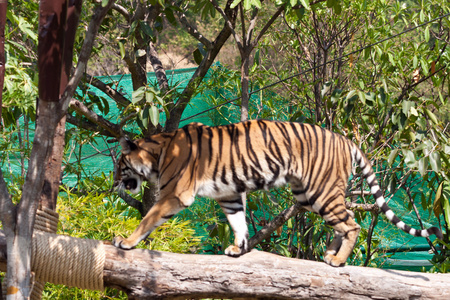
(177, 110)
(112, 93)
(121, 10)
(193, 31)
(267, 25)
(87, 125)
(131, 201)
(228, 23)
(80, 108)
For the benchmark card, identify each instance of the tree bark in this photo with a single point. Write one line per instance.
(145, 274)
(156, 275)
(3, 8)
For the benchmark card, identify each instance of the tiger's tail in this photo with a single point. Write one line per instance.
(369, 175)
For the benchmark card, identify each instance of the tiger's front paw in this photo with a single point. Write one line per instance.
(333, 260)
(122, 243)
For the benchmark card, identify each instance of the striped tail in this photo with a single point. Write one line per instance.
(369, 175)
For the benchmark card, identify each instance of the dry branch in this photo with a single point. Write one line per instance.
(145, 274)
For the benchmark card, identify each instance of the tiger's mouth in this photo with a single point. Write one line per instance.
(132, 184)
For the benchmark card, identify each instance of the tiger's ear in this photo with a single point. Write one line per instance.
(127, 145)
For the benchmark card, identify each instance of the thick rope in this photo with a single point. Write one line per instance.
(63, 259)
(47, 221)
(67, 260)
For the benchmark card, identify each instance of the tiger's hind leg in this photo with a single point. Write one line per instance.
(346, 234)
(234, 209)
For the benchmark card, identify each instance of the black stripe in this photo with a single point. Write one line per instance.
(250, 151)
(224, 173)
(210, 147)
(384, 208)
(219, 130)
(298, 192)
(199, 141)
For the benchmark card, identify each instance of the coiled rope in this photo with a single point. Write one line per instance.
(61, 259)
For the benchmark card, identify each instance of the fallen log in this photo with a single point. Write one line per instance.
(151, 275)
(145, 274)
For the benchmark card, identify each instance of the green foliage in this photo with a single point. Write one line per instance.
(20, 83)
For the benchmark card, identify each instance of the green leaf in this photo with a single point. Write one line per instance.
(406, 106)
(415, 62)
(256, 60)
(362, 97)
(257, 3)
(235, 3)
(422, 16)
(154, 115)
(300, 13)
(391, 59)
(425, 67)
(331, 3)
(350, 94)
(410, 159)
(424, 201)
(382, 95)
(149, 96)
(423, 166)
(252, 205)
(198, 57)
(170, 16)
(392, 156)
(437, 207)
(431, 115)
(446, 208)
(392, 185)
(247, 5)
(104, 3)
(147, 30)
(422, 123)
(338, 8)
(138, 95)
(305, 4)
(442, 98)
(121, 49)
(427, 34)
(435, 161)
(144, 117)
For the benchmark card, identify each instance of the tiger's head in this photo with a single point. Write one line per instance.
(137, 164)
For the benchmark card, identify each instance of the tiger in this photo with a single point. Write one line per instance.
(223, 162)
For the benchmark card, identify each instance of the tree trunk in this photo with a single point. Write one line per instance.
(3, 8)
(52, 174)
(145, 274)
